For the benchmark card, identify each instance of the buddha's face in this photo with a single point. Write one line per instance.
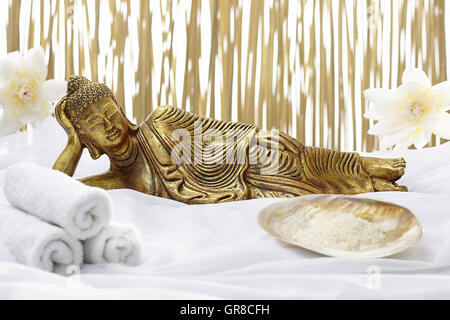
(104, 126)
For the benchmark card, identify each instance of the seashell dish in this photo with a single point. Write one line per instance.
(342, 226)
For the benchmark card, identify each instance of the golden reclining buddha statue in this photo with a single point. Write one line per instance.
(182, 156)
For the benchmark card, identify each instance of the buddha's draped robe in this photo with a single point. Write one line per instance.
(200, 160)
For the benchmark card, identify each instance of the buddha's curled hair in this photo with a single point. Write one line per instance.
(81, 93)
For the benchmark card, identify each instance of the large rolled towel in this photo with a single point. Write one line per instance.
(58, 199)
(116, 243)
(37, 243)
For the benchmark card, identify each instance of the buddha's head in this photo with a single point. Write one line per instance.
(98, 120)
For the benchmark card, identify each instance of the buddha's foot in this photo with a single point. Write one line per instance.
(380, 185)
(385, 172)
(387, 169)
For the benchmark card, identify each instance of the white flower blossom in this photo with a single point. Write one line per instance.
(25, 94)
(411, 113)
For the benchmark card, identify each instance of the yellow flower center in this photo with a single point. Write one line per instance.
(23, 91)
(25, 94)
(418, 111)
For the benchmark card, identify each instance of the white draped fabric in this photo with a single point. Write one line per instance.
(219, 251)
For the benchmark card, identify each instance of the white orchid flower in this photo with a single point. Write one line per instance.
(25, 95)
(411, 113)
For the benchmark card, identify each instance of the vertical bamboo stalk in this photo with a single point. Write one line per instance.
(264, 82)
(12, 31)
(255, 14)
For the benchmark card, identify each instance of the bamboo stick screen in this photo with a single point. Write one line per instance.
(297, 65)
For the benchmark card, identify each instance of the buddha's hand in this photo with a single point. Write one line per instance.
(68, 159)
(63, 120)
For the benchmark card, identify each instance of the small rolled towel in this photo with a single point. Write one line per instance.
(58, 199)
(36, 243)
(115, 243)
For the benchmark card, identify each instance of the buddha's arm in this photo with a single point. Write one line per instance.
(68, 160)
(109, 180)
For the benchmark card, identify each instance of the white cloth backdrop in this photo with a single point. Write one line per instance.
(219, 251)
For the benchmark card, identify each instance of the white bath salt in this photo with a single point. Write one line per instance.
(343, 232)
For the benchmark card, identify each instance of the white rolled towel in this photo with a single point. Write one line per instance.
(58, 199)
(115, 243)
(36, 243)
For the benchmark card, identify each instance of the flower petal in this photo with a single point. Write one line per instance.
(442, 91)
(401, 139)
(377, 96)
(403, 145)
(382, 111)
(416, 76)
(421, 139)
(8, 65)
(43, 113)
(386, 142)
(34, 61)
(373, 114)
(410, 92)
(442, 129)
(53, 90)
(3, 97)
(30, 113)
(388, 127)
(9, 124)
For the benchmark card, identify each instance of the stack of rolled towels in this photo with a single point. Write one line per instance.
(53, 221)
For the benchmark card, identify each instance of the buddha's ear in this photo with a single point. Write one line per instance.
(131, 126)
(94, 151)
